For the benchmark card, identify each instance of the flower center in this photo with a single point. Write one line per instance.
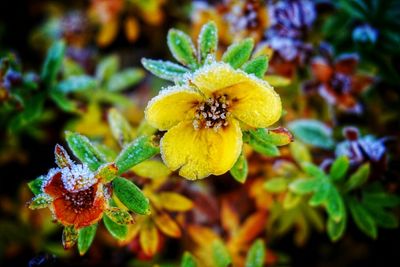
(212, 113)
(81, 200)
(77, 177)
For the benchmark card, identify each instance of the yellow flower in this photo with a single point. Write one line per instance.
(202, 118)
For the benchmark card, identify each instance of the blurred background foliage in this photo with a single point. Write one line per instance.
(75, 65)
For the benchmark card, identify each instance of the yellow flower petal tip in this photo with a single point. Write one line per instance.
(202, 118)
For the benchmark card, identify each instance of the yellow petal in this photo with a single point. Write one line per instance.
(174, 202)
(216, 76)
(199, 153)
(171, 106)
(254, 102)
(167, 225)
(151, 169)
(149, 238)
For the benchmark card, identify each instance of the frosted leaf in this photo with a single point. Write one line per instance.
(77, 178)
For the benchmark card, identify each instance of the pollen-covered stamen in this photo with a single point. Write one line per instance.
(82, 200)
(212, 113)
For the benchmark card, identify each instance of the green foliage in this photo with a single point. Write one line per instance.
(76, 84)
(84, 150)
(124, 79)
(312, 132)
(164, 69)
(257, 66)
(265, 142)
(69, 236)
(237, 54)
(120, 127)
(182, 48)
(36, 185)
(207, 41)
(188, 260)
(256, 255)
(119, 216)
(85, 238)
(220, 255)
(240, 169)
(118, 231)
(52, 64)
(131, 196)
(135, 152)
(40, 201)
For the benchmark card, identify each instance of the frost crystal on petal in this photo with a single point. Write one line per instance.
(50, 174)
(77, 178)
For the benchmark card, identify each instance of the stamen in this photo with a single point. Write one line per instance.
(212, 114)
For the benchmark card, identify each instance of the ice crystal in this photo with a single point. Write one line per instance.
(77, 178)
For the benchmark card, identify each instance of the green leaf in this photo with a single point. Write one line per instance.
(313, 170)
(382, 217)
(257, 66)
(312, 132)
(36, 185)
(240, 169)
(207, 41)
(85, 238)
(291, 200)
(40, 201)
(188, 260)
(382, 199)
(334, 204)
(182, 48)
(220, 254)
(119, 216)
(164, 69)
(320, 196)
(256, 140)
(362, 218)
(256, 255)
(69, 236)
(339, 168)
(336, 229)
(52, 63)
(107, 172)
(278, 137)
(304, 186)
(107, 67)
(120, 127)
(137, 151)
(238, 53)
(84, 150)
(118, 231)
(63, 102)
(131, 196)
(300, 152)
(358, 178)
(76, 84)
(276, 185)
(125, 79)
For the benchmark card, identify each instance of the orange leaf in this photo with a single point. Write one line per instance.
(167, 225)
(229, 218)
(131, 29)
(149, 238)
(175, 202)
(251, 227)
(108, 32)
